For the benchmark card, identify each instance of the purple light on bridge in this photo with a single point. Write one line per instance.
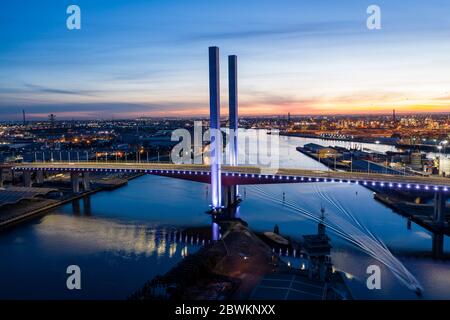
(214, 125)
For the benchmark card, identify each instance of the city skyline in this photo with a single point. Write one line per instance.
(134, 58)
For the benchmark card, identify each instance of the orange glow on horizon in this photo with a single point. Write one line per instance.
(261, 109)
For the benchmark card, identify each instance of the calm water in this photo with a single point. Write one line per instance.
(119, 243)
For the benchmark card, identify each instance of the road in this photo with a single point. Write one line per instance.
(248, 172)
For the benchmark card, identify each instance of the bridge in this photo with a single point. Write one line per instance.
(225, 179)
(231, 176)
(243, 175)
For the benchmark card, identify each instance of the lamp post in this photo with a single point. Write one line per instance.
(444, 143)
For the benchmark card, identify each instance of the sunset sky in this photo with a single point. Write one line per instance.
(149, 58)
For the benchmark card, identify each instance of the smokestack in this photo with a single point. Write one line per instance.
(23, 118)
(233, 107)
(214, 125)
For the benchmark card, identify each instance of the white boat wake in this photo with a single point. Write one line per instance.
(347, 226)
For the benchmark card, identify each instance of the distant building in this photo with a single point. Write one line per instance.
(416, 161)
(321, 151)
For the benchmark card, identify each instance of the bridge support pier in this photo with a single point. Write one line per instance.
(27, 179)
(439, 208)
(87, 205)
(40, 177)
(86, 181)
(76, 207)
(1, 177)
(75, 180)
(438, 245)
(229, 196)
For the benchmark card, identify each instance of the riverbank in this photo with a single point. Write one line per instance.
(421, 214)
(32, 208)
(329, 162)
(225, 269)
(240, 265)
(368, 140)
(373, 141)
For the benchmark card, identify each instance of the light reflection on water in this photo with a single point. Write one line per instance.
(115, 257)
(94, 235)
(122, 238)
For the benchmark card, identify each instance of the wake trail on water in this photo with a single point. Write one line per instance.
(345, 224)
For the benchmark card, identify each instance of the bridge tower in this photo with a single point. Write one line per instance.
(230, 193)
(216, 135)
(233, 108)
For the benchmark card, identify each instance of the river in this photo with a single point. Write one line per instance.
(119, 241)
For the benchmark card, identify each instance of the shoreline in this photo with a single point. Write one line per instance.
(398, 146)
(239, 266)
(361, 140)
(422, 215)
(43, 210)
(221, 270)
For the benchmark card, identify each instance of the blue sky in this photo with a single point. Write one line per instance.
(135, 57)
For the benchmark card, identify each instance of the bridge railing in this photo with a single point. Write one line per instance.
(361, 175)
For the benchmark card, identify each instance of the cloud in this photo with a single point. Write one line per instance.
(44, 89)
(101, 110)
(330, 27)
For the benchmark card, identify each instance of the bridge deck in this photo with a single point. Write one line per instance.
(248, 172)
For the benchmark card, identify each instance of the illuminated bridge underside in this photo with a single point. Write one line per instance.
(241, 175)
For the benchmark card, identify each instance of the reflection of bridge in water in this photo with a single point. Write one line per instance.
(138, 239)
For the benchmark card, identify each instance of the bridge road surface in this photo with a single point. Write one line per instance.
(247, 174)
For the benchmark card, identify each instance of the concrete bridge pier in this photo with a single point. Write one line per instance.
(27, 178)
(75, 180)
(439, 208)
(40, 177)
(76, 207)
(87, 205)
(86, 181)
(438, 245)
(229, 196)
(2, 177)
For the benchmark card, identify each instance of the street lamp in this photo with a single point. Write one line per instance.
(439, 148)
(444, 143)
